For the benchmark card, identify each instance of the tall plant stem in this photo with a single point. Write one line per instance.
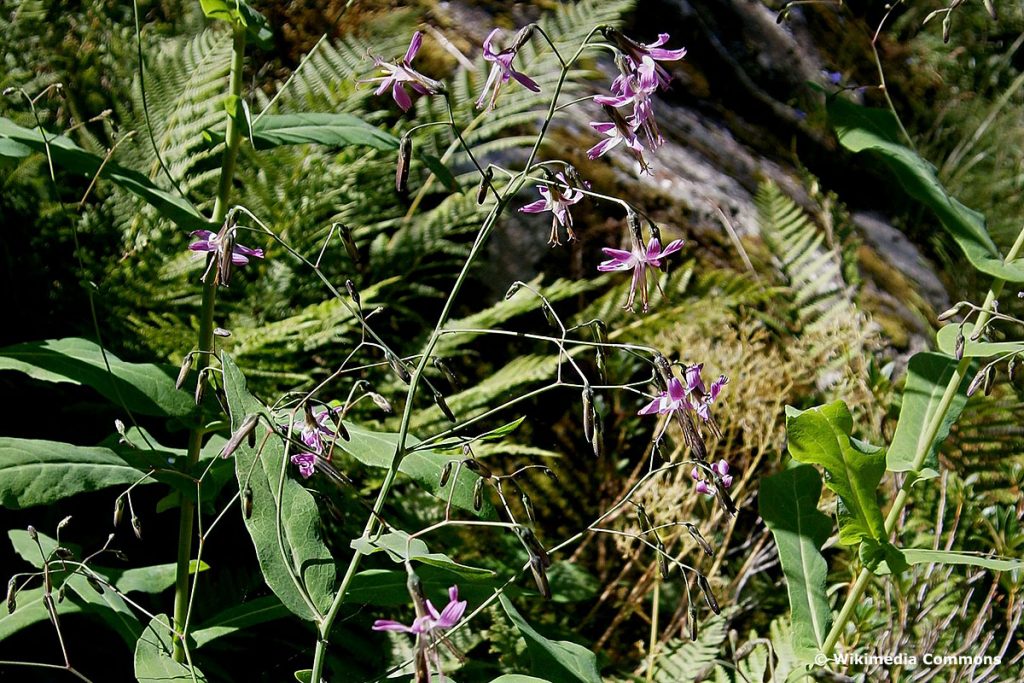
(515, 184)
(924, 446)
(232, 142)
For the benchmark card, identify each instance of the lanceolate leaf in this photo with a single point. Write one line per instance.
(915, 556)
(144, 388)
(928, 375)
(330, 130)
(862, 129)
(821, 436)
(153, 660)
(295, 562)
(946, 341)
(559, 661)
(69, 156)
(37, 472)
(400, 547)
(788, 503)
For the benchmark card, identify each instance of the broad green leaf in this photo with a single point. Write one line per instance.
(331, 130)
(821, 436)
(377, 449)
(400, 548)
(238, 618)
(154, 662)
(916, 556)
(295, 561)
(37, 472)
(882, 557)
(155, 579)
(69, 156)
(863, 129)
(788, 503)
(31, 610)
(928, 375)
(389, 587)
(946, 341)
(438, 168)
(519, 678)
(558, 660)
(144, 388)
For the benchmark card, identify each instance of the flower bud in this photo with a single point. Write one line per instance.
(528, 506)
(186, 365)
(478, 467)
(478, 495)
(443, 405)
(352, 291)
(976, 383)
(1011, 367)
(958, 351)
(397, 366)
(62, 553)
(118, 510)
(200, 389)
(540, 576)
(96, 585)
(12, 595)
(247, 502)
(381, 402)
(224, 257)
(404, 160)
(705, 588)
(485, 183)
(989, 381)
(221, 332)
(243, 432)
(588, 413)
(522, 37)
(350, 245)
(951, 312)
(32, 533)
(512, 290)
(446, 473)
(701, 541)
(691, 617)
(447, 372)
(137, 527)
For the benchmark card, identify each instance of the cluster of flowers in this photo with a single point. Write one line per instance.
(315, 432)
(428, 628)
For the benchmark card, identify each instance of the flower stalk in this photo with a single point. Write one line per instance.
(232, 143)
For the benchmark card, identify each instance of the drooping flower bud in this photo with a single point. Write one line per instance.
(118, 510)
(137, 526)
(397, 366)
(447, 372)
(951, 312)
(485, 183)
(404, 161)
(186, 365)
(243, 432)
(350, 245)
(443, 405)
(381, 402)
(12, 595)
(705, 588)
(701, 541)
(446, 473)
(247, 502)
(478, 495)
(588, 413)
(513, 288)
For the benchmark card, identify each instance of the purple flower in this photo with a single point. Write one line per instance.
(557, 201)
(398, 75)
(638, 260)
(721, 468)
(501, 70)
(667, 401)
(644, 58)
(211, 242)
(431, 621)
(703, 398)
(833, 77)
(619, 131)
(626, 90)
(306, 462)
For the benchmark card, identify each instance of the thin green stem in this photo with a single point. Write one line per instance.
(924, 446)
(513, 187)
(233, 139)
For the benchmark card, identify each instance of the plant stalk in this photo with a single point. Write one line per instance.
(232, 141)
(903, 496)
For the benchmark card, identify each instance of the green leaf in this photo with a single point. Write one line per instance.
(295, 561)
(916, 556)
(495, 434)
(69, 156)
(331, 130)
(946, 341)
(37, 472)
(155, 579)
(239, 618)
(377, 449)
(519, 678)
(154, 662)
(257, 28)
(438, 168)
(400, 548)
(31, 610)
(389, 587)
(821, 436)
(559, 660)
(862, 129)
(144, 388)
(882, 557)
(928, 375)
(788, 503)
